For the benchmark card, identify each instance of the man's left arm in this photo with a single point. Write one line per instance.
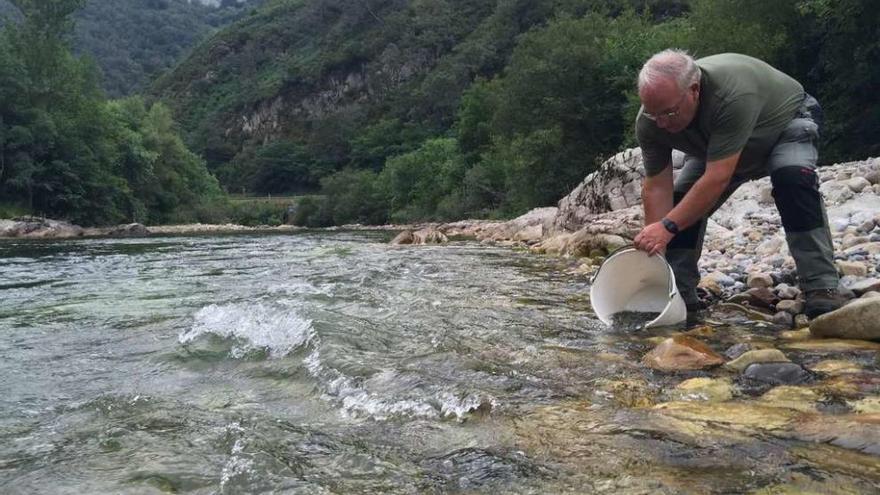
(696, 204)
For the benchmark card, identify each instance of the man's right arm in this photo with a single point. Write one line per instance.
(657, 195)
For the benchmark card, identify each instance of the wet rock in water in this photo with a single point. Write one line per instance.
(868, 405)
(703, 389)
(405, 237)
(737, 350)
(745, 414)
(836, 367)
(860, 319)
(858, 432)
(429, 235)
(777, 373)
(783, 319)
(744, 311)
(790, 397)
(471, 468)
(632, 320)
(630, 392)
(129, 230)
(757, 356)
(833, 345)
(681, 353)
(850, 385)
(801, 334)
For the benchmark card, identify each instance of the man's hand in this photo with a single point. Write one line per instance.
(653, 239)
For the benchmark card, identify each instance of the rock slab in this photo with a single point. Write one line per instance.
(681, 353)
(860, 319)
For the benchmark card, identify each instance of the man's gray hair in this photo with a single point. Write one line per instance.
(673, 64)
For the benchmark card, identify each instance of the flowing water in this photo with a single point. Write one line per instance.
(332, 362)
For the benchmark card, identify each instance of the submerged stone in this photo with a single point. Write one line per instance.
(682, 353)
(836, 367)
(756, 356)
(703, 389)
(777, 373)
(797, 398)
(860, 432)
(833, 345)
(737, 350)
(801, 334)
(747, 414)
(868, 405)
(633, 393)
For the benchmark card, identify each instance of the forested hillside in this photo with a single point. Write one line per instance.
(417, 109)
(382, 110)
(66, 152)
(133, 41)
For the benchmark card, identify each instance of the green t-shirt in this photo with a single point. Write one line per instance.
(744, 105)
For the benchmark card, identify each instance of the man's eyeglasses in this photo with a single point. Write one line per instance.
(669, 114)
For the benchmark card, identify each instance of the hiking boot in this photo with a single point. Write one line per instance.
(696, 314)
(821, 301)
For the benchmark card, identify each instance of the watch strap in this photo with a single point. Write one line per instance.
(670, 226)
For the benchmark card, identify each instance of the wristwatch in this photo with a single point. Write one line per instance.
(671, 227)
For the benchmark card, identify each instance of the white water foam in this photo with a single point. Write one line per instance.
(274, 328)
(357, 401)
(239, 464)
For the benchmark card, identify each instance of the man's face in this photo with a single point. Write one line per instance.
(671, 108)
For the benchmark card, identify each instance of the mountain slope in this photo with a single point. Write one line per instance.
(348, 82)
(133, 41)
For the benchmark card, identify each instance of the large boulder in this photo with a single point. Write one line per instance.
(860, 319)
(427, 235)
(36, 227)
(681, 353)
(615, 185)
(530, 227)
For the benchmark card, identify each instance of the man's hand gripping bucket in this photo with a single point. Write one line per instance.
(630, 280)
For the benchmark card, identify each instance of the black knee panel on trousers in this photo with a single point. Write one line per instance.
(796, 191)
(687, 238)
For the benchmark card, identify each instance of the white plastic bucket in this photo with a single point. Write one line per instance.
(630, 280)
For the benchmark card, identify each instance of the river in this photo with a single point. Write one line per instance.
(335, 363)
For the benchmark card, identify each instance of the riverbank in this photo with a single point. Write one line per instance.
(745, 265)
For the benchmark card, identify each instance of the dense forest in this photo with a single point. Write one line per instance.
(392, 110)
(133, 41)
(67, 152)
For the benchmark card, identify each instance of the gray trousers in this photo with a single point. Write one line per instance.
(791, 166)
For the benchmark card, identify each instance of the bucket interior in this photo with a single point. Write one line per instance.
(630, 280)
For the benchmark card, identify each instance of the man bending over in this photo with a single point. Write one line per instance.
(736, 118)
